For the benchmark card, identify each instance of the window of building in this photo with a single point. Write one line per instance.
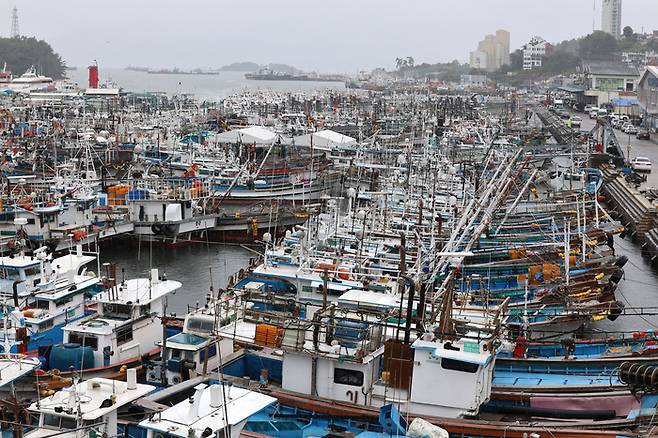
(458, 365)
(348, 377)
(124, 334)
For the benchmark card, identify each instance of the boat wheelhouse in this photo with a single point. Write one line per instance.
(89, 408)
(125, 325)
(215, 411)
(48, 293)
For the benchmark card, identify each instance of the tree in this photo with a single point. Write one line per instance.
(410, 62)
(560, 62)
(22, 53)
(516, 60)
(598, 46)
(628, 32)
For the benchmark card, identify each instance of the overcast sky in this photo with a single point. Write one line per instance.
(330, 35)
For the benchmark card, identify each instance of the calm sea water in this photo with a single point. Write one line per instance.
(209, 87)
(197, 266)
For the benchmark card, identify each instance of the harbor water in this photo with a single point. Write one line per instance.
(198, 266)
(208, 87)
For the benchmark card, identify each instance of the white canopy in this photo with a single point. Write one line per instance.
(249, 135)
(326, 139)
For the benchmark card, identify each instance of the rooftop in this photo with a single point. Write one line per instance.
(92, 394)
(199, 415)
(601, 68)
(139, 291)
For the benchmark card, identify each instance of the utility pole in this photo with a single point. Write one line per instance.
(15, 33)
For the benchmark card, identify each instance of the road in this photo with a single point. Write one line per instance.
(638, 148)
(640, 283)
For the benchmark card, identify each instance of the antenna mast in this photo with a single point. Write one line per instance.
(15, 33)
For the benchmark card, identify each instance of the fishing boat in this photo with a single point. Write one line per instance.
(89, 407)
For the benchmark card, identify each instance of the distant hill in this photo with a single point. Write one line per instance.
(22, 53)
(241, 66)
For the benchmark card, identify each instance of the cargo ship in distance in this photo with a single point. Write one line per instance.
(267, 74)
(174, 71)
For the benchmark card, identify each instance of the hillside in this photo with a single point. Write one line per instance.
(22, 53)
(241, 66)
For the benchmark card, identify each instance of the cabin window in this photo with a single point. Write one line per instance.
(31, 221)
(9, 274)
(63, 301)
(87, 341)
(32, 271)
(458, 365)
(124, 334)
(59, 422)
(212, 352)
(42, 304)
(200, 325)
(307, 289)
(119, 310)
(145, 309)
(348, 377)
(46, 324)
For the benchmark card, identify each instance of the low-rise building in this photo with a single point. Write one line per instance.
(473, 81)
(639, 59)
(648, 97)
(605, 81)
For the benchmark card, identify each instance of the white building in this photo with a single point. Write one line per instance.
(473, 81)
(611, 17)
(479, 59)
(533, 53)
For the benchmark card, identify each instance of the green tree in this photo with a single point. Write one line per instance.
(22, 53)
(560, 62)
(628, 32)
(598, 46)
(516, 60)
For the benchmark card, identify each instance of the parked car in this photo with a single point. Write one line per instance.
(630, 128)
(576, 122)
(588, 108)
(643, 135)
(641, 164)
(594, 112)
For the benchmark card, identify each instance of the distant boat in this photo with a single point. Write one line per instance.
(31, 77)
(5, 76)
(184, 72)
(30, 81)
(267, 74)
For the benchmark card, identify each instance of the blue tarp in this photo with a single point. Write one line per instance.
(625, 102)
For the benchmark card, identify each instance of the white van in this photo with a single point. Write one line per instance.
(594, 112)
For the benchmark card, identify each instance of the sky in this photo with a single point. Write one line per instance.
(326, 36)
